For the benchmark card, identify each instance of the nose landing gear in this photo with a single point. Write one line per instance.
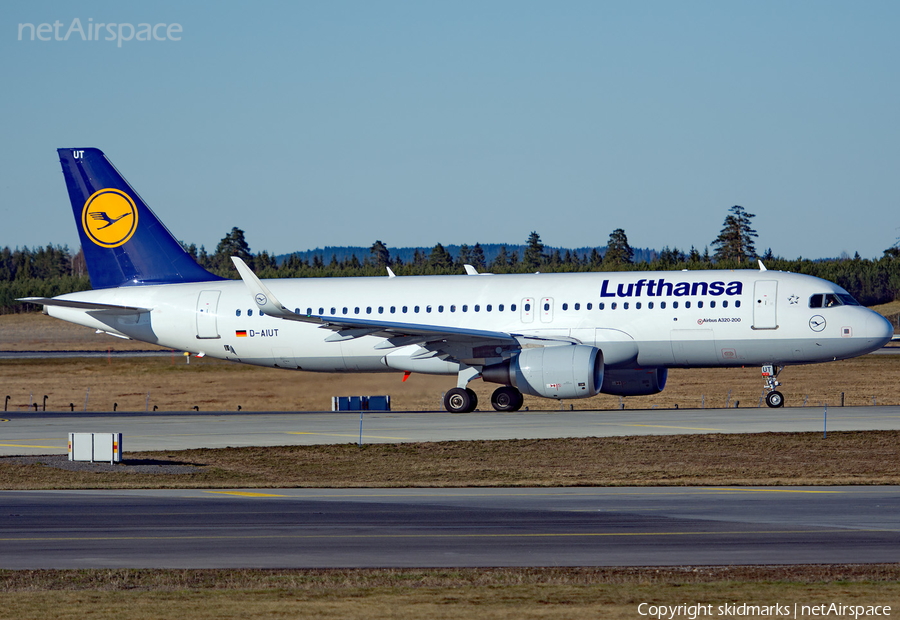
(774, 398)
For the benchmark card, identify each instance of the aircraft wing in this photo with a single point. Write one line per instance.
(84, 305)
(455, 341)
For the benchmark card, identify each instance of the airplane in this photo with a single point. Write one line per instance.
(556, 336)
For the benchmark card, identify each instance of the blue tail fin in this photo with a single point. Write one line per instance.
(123, 241)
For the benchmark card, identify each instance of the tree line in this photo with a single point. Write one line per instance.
(54, 270)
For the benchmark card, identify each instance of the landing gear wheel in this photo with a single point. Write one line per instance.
(460, 400)
(775, 399)
(507, 398)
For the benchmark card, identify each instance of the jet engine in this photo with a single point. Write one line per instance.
(564, 371)
(634, 382)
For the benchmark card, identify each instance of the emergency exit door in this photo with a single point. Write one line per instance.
(207, 304)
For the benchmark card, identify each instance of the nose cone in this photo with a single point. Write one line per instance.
(879, 330)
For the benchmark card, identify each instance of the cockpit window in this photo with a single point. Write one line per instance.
(830, 300)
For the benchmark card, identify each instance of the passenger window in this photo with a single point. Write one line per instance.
(687, 304)
(345, 310)
(453, 308)
(477, 308)
(578, 306)
(625, 306)
(416, 309)
(428, 309)
(237, 312)
(612, 305)
(601, 306)
(368, 309)
(637, 305)
(356, 310)
(380, 309)
(712, 304)
(699, 304)
(333, 311)
(674, 304)
(440, 308)
(662, 305)
(527, 307)
(512, 307)
(546, 307)
(308, 311)
(565, 306)
(404, 309)
(393, 309)
(725, 303)
(488, 308)
(465, 308)
(250, 312)
(589, 305)
(500, 308)
(321, 310)
(737, 303)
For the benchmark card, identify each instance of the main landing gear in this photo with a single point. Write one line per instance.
(464, 400)
(507, 398)
(774, 398)
(460, 400)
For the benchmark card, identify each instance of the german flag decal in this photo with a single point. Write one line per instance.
(241, 333)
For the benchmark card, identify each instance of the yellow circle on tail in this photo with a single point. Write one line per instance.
(109, 217)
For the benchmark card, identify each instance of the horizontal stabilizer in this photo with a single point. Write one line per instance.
(84, 305)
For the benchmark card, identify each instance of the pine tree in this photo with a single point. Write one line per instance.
(534, 252)
(381, 256)
(440, 258)
(476, 256)
(735, 242)
(618, 252)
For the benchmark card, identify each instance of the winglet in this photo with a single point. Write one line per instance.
(265, 300)
(470, 270)
(391, 273)
(761, 266)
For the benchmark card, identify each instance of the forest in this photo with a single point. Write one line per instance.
(54, 270)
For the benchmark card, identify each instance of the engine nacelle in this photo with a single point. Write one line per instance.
(565, 371)
(634, 382)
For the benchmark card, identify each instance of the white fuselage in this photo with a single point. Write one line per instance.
(638, 319)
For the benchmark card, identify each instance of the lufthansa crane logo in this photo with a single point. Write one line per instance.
(109, 217)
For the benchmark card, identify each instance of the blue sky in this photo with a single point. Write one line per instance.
(338, 123)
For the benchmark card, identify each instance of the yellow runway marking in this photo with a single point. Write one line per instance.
(347, 435)
(15, 445)
(245, 494)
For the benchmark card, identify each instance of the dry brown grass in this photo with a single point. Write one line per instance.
(684, 460)
(463, 593)
(215, 385)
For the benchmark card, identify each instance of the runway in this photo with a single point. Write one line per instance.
(23, 433)
(448, 527)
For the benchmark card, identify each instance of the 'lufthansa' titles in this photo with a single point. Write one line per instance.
(661, 288)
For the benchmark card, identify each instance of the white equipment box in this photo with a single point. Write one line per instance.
(95, 447)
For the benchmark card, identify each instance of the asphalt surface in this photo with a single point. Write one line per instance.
(448, 527)
(23, 433)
